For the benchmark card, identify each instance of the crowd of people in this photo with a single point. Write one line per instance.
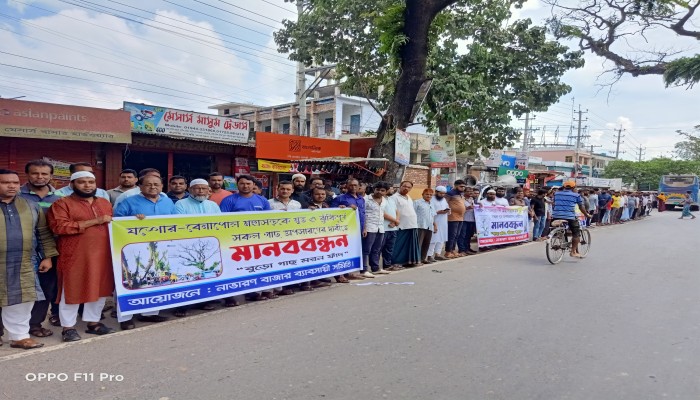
(56, 251)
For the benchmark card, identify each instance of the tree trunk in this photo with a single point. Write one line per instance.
(419, 16)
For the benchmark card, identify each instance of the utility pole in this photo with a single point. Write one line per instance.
(641, 153)
(618, 142)
(523, 156)
(590, 170)
(578, 139)
(301, 85)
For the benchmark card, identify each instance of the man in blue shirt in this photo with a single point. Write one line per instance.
(603, 198)
(148, 203)
(353, 200)
(565, 202)
(197, 201)
(245, 199)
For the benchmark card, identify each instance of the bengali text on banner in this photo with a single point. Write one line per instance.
(166, 262)
(501, 225)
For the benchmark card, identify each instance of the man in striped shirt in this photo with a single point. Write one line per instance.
(565, 202)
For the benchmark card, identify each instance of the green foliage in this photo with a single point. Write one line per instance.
(608, 28)
(647, 174)
(683, 72)
(689, 149)
(485, 67)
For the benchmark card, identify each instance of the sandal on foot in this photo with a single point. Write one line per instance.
(113, 314)
(230, 302)
(180, 312)
(255, 297)
(152, 318)
(26, 344)
(127, 325)
(39, 331)
(70, 335)
(268, 295)
(285, 292)
(54, 320)
(341, 279)
(99, 329)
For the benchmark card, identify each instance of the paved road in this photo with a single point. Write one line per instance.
(622, 324)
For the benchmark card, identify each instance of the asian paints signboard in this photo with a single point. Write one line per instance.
(163, 121)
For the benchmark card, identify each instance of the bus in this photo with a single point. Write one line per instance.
(675, 187)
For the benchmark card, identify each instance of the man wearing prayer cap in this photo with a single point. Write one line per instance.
(439, 238)
(85, 274)
(299, 181)
(80, 167)
(198, 203)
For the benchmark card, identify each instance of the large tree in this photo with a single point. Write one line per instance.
(689, 148)
(634, 35)
(482, 67)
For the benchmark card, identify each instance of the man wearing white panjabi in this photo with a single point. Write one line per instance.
(437, 242)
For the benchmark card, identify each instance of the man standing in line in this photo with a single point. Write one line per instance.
(39, 190)
(593, 207)
(283, 201)
(538, 209)
(148, 203)
(85, 274)
(501, 197)
(350, 199)
(439, 238)
(216, 183)
(81, 167)
(299, 182)
(391, 228)
(406, 249)
(603, 199)
(178, 188)
(464, 240)
(425, 213)
(127, 181)
(247, 200)
(455, 198)
(23, 229)
(373, 233)
(197, 203)
(136, 190)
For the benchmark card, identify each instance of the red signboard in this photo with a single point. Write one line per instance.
(290, 147)
(32, 120)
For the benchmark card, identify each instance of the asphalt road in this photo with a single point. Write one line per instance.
(621, 324)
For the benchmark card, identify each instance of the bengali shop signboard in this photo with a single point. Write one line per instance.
(165, 262)
(402, 147)
(442, 152)
(32, 120)
(501, 225)
(153, 120)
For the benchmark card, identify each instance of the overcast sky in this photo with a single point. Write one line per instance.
(191, 54)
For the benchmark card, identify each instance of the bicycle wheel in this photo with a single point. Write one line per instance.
(585, 245)
(556, 246)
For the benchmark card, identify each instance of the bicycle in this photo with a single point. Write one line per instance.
(558, 241)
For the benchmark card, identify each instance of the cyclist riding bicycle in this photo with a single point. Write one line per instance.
(565, 202)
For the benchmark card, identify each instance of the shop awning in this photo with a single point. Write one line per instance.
(344, 160)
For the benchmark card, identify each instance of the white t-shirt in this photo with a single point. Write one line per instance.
(502, 201)
(407, 214)
(278, 205)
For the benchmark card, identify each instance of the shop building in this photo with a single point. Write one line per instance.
(62, 135)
